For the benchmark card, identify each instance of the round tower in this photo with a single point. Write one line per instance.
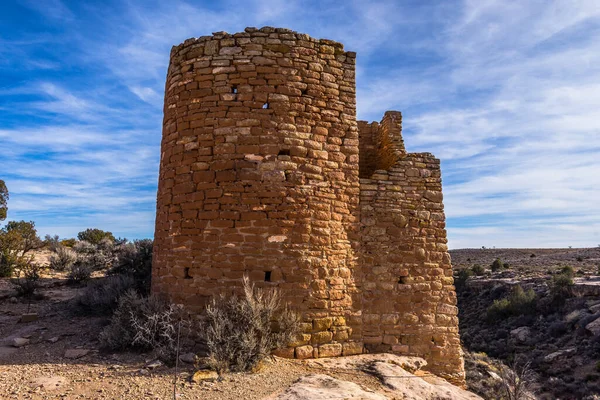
(259, 176)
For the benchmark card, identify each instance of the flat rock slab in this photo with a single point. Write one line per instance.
(407, 386)
(76, 353)
(20, 342)
(324, 387)
(48, 382)
(362, 361)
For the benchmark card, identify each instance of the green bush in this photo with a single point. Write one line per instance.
(95, 236)
(17, 239)
(567, 270)
(478, 270)
(561, 287)
(497, 265)
(518, 302)
(68, 242)
(460, 281)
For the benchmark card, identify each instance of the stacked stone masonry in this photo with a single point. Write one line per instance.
(266, 173)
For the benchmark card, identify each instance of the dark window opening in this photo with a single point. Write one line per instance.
(402, 280)
(267, 276)
(191, 68)
(304, 91)
(265, 106)
(433, 340)
(234, 89)
(187, 273)
(284, 152)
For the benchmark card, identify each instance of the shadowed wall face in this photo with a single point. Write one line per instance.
(259, 176)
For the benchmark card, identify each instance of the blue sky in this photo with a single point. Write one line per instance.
(506, 93)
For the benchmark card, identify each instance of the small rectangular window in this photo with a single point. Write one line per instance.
(267, 276)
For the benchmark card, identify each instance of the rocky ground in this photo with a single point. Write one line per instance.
(560, 338)
(58, 356)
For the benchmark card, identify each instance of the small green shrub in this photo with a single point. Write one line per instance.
(460, 281)
(497, 265)
(95, 236)
(567, 270)
(17, 239)
(478, 270)
(68, 242)
(518, 302)
(240, 331)
(561, 287)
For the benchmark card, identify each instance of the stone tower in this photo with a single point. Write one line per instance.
(265, 172)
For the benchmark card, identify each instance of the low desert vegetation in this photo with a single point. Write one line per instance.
(145, 324)
(498, 265)
(519, 302)
(242, 331)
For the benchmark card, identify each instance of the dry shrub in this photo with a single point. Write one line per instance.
(101, 296)
(518, 381)
(79, 272)
(27, 276)
(135, 259)
(63, 258)
(241, 332)
(145, 323)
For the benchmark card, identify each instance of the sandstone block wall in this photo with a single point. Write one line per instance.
(259, 176)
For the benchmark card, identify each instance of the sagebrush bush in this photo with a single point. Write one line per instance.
(27, 276)
(63, 259)
(79, 272)
(241, 331)
(478, 270)
(518, 302)
(101, 296)
(145, 323)
(52, 242)
(135, 259)
(96, 256)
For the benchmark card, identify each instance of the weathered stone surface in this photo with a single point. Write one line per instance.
(594, 327)
(20, 342)
(553, 356)
(521, 334)
(324, 387)
(48, 383)
(265, 172)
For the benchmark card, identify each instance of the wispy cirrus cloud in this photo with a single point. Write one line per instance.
(505, 93)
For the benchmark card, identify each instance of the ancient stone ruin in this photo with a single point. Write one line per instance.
(265, 172)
